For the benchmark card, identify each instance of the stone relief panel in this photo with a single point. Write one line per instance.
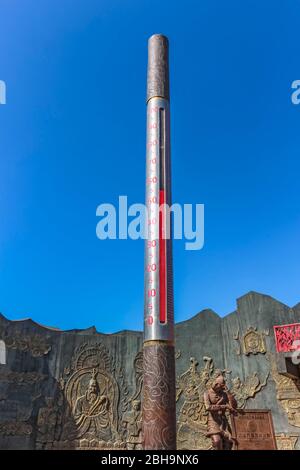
(191, 385)
(92, 400)
(49, 422)
(14, 410)
(132, 419)
(15, 418)
(37, 345)
(93, 396)
(15, 428)
(132, 422)
(90, 406)
(89, 401)
(21, 378)
(287, 393)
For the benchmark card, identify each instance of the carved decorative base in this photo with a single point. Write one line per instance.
(159, 409)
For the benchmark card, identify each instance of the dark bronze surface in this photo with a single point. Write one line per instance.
(219, 402)
(159, 414)
(47, 371)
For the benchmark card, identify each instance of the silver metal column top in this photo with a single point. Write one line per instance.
(158, 67)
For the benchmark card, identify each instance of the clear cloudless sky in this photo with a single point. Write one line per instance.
(72, 136)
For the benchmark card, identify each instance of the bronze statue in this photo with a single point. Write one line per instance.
(218, 402)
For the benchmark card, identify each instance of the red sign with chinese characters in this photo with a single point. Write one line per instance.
(287, 337)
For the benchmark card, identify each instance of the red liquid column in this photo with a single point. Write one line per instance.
(159, 410)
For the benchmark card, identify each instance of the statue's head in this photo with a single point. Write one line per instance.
(219, 383)
(93, 386)
(136, 405)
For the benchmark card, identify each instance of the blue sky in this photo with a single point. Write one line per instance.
(72, 136)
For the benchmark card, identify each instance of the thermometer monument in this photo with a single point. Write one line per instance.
(159, 408)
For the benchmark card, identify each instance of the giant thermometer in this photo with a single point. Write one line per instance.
(159, 422)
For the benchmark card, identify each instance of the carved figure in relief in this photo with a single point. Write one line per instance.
(50, 419)
(133, 426)
(92, 398)
(92, 410)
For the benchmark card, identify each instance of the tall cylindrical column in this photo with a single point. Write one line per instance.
(159, 411)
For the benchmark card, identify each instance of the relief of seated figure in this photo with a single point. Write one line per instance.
(92, 412)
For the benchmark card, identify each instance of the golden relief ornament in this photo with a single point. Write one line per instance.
(286, 441)
(288, 393)
(251, 342)
(248, 389)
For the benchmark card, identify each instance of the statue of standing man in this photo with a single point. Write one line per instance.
(218, 402)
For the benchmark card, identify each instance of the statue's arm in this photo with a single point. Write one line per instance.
(209, 406)
(218, 407)
(104, 400)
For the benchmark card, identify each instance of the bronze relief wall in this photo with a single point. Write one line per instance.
(81, 389)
